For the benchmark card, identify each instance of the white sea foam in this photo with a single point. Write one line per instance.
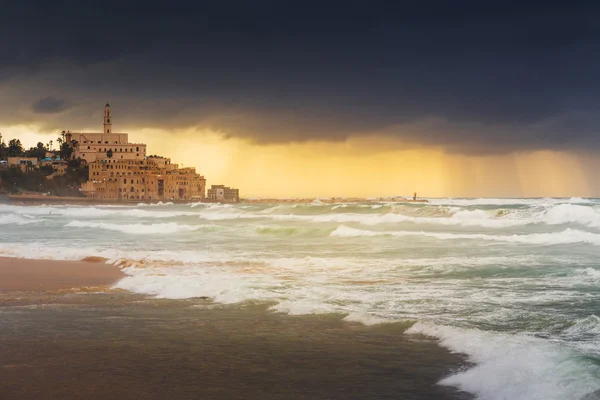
(15, 219)
(159, 204)
(526, 266)
(464, 218)
(590, 273)
(515, 367)
(552, 214)
(138, 229)
(94, 212)
(585, 328)
(182, 283)
(571, 213)
(568, 236)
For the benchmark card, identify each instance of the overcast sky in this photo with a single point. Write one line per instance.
(468, 77)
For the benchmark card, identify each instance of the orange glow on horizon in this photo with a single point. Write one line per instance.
(361, 167)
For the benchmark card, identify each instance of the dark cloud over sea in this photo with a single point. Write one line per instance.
(49, 105)
(469, 76)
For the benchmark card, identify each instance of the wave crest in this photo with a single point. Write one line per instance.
(137, 229)
(568, 236)
(515, 367)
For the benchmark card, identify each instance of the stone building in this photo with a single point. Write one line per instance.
(95, 146)
(59, 167)
(22, 162)
(154, 178)
(223, 194)
(129, 174)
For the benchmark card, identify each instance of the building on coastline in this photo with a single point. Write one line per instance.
(22, 162)
(59, 167)
(223, 194)
(95, 146)
(119, 170)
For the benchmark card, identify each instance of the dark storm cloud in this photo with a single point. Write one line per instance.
(49, 105)
(466, 75)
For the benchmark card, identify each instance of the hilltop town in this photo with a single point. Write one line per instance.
(106, 167)
(102, 166)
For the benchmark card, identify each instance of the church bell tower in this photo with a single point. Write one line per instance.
(107, 123)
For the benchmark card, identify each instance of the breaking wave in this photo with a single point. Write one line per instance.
(511, 283)
(568, 236)
(516, 367)
(137, 229)
(14, 219)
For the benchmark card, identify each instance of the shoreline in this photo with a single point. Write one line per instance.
(35, 275)
(122, 345)
(50, 334)
(36, 199)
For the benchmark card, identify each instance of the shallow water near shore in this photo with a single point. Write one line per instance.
(513, 285)
(118, 345)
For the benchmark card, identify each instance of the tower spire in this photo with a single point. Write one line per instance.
(107, 117)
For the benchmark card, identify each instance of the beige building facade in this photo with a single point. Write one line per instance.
(222, 193)
(96, 146)
(127, 173)
(154, 178)
(21, 161)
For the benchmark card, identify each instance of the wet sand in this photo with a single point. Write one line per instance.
(40, 275)
(116, 345)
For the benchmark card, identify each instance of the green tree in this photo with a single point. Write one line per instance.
(38, 152)
(109, 153)
(66, 150)
(15, 149)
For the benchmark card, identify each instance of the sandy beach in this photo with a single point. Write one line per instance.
(44, 275)
(121, 346)
(58, 344)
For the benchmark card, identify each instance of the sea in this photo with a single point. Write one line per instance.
(511, 285)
